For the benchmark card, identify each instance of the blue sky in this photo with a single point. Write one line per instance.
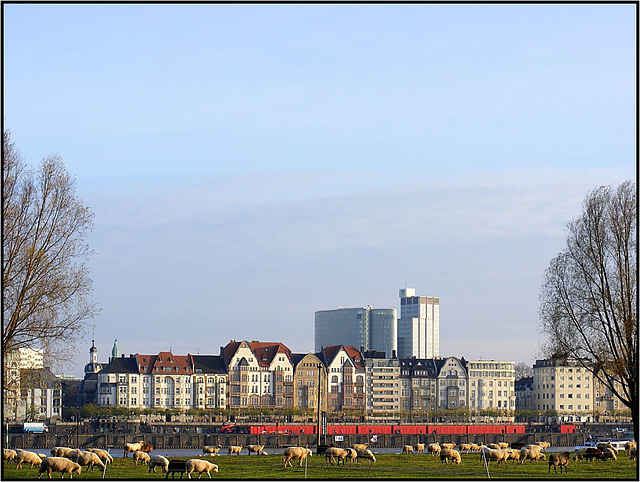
(249, 165)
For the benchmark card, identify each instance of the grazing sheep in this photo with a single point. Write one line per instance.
(606, 445)
(503, 445)
(366, 455)
(200, 466)
(543, 445)
(434, 449)
(132, 447)
(494, 446)
(360, 447)
(90, 460)
(498, 455)
(142, 457)
(590, 453)
(59, 464)
(466, 448)
(630, 445)
(28, 457)
(176, 466)
(448, 445)
(61, 451)
(158, 461)
(103, 454)
(73, 455)
(255, 449)
(609, 453)
(352, 455)
(420, 448)
(633, 453)
(9, 454)
(450, 454)
(293, 453)
(211, 449)
(407, 449)
(531, 453)
(513, 454)
(332, 452)
(235, 449)
(561, 460)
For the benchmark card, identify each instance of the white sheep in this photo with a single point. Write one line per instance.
(352, 455)
(9, 454)
(61, 451)
(450, 454)
(532, 452)
(448, 445)
(59, 464)
(434, 449)
(90, 460)
(132, 447)
(336, 452)
(293, 453)
(235, 449)
(28, 457)
(103, 454)
(211, 449)
(367, 455)
(420, 448)
(200, 466)
(158, 461)
(407, 449)
(499, 455)
(140, 456)
(360, 447)
(256, 449)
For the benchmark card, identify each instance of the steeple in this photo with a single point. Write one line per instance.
(93, 366)
(115, 353)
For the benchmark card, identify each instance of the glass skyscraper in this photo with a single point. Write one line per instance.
(419, 325)
(365, 328)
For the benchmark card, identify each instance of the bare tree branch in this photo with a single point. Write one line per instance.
(588, 301)
(46, 285)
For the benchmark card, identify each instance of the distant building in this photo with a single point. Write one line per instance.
(563, 390)
(346, 378)
(524, 394)
(366, 328)
(492, 385)
(41, 395)
(418, 326)
(309, 377)
(382, 384)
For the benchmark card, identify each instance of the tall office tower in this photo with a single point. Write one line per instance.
(419, 325)
(365, 328)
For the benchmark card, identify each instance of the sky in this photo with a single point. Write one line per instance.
(249, 165)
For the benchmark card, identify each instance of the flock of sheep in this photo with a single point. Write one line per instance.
(71, 461)
(502, 453)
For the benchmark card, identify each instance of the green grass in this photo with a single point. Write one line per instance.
(388, 466)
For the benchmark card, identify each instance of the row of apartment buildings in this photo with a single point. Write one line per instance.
(269, 375)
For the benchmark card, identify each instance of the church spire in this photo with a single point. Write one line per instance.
(115, 353)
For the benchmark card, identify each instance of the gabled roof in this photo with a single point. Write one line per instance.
(330, 352)
(164, 362)
(264, 352)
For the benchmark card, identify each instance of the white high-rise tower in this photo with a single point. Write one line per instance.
(419, 325)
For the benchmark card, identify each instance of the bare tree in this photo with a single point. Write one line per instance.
(46, 286)
(589, 295)
(522, 370)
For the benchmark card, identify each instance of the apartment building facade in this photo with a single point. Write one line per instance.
(492, 385)
(382, 380)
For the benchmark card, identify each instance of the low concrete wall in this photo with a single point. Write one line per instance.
(197, 441)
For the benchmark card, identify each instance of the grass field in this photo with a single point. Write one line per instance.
(387, 467)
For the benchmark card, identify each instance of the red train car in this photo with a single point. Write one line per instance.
(374, 429)
(567, 429)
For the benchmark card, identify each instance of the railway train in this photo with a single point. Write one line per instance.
(435, 429)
